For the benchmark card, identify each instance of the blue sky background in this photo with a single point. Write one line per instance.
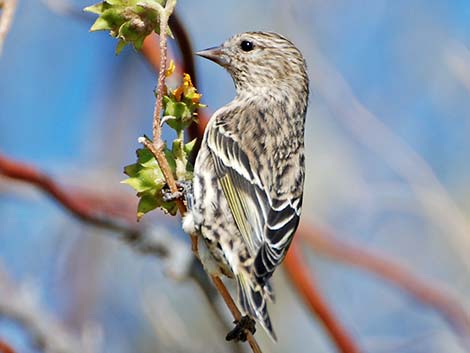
(388, 153)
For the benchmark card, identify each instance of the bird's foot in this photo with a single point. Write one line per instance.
(169, 196)
(242, 327)
(184, 193)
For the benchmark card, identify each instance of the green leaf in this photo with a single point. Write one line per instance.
(100, 25)
(132, 169)
(146, 204)
(188, 148)
(170, 207)
(130, 21)
(120, 46)
(146, 158)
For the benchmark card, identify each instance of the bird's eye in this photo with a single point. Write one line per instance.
(246, 45)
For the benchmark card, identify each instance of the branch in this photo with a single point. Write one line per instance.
(27, 173)
(146, 240)
(300, 277)
(427, 294)
(8, 11)
(48, 335)
(158, 144)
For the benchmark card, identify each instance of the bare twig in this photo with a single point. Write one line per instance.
(20, 305)
(301, 278)
(8, 11)
(325, 243)
(164, 16)
(157, 148)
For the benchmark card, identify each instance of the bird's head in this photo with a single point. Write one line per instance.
(260, 61)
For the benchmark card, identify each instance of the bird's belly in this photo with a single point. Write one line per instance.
(213, 222)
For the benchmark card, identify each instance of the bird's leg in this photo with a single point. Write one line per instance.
(184, 193)
(242, 327)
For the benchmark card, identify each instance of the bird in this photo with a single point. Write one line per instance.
(249, 173)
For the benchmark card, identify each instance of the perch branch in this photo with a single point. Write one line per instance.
(301, 279)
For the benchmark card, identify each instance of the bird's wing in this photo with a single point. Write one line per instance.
(266, 224)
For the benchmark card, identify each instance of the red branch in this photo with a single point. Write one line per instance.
(5, 347)
(427, 294)
(301, 279)
(75, 205)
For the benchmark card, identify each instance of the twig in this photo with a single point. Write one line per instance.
(301, 278)
(164, 16)
(8, 11)
(158, 144)
(20, 305)
(427, 294)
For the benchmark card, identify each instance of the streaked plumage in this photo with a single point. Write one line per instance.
(249, 173)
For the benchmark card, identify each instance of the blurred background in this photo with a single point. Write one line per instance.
(388, 153)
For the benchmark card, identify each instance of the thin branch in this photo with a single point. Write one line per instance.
(301, 278)
(146, 240)
(164, 16)
(157, 148)
(27, 173)
(157, 132)
(8, 11)
(442, 301)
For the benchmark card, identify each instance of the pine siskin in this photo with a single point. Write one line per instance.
(249, 173)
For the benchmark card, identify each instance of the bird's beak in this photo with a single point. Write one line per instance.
(216, 54)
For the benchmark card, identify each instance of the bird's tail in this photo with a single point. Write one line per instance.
(252, 297)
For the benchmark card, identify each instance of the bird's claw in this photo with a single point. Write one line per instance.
(169, 196)
(242, 327)
(183, 193)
